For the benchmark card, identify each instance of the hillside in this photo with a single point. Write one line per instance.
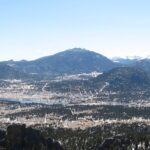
(7, 72)
(123, 83)
(124, 79)
(143, 64)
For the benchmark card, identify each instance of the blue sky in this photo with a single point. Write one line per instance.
(34, 28)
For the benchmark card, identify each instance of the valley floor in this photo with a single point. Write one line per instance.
(80, 120)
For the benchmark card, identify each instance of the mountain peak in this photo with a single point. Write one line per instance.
(73, 51)
(78, 50)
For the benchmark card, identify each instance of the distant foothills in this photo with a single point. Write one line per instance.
(72, 61)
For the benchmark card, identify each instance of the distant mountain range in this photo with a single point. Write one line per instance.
(126, 60)
(71, 61)
(137, 62)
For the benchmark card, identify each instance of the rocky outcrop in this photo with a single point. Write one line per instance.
(18, 137)
(2, 139)
(119, 142)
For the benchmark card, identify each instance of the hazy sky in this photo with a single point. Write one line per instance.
(33, 28)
